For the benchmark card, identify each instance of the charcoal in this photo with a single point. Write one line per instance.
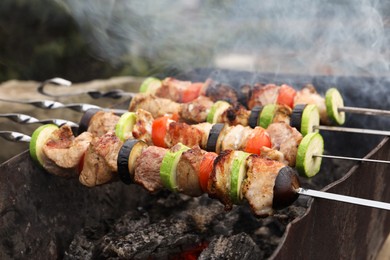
(240, 246)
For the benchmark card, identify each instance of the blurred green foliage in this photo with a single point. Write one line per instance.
(40, 40)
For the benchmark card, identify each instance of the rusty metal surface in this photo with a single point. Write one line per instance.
(40, 213)
(334, 230)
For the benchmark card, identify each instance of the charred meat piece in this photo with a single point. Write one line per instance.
(102, 122)
(187, 172)
(63, 152)
(147, 168)
(259, 184)
(263, 95)
(142, 129)
(309, 95)
(158, 107)
(196, 111)
(218, 91)
(100, 161)
(235, 115)
(285, 139)
(183, 133)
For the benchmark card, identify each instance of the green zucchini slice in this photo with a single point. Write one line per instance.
(38, 140)
(267, 115)
(150, 85)
(124, 127)
(168, 167)
(307, 164)
(216, 111)
(238, 174)
(334, 101)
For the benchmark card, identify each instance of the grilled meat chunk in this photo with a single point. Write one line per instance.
(142, 129)
(204, 128)
(147, 168)
(62, 152)
(158, 107)
(235, 137)
(102, 122)
(172, 89)
(219, 182)
(187, 172)
(285, 139)
(235, 115)
(183, 133)
(272, 154)
(196, 111)
(259, 183)
(100, 161)
(282, 114)
(309, 95)
(263, 95)
(218, 91)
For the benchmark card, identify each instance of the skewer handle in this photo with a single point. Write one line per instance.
(26, 119)
(115, 94)
(49, 104)
(15, 136)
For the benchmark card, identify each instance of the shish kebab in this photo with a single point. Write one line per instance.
(279, 141)
(233, 177)
(331, 107)
(203, 109)
(250, 140)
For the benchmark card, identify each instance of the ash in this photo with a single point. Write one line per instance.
(173, 226)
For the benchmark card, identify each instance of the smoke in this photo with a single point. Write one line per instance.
(306, 36)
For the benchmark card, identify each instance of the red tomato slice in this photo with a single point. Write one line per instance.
(259, 139)
(159, 130)
(205, 169)
(286, 96)
(192, 92)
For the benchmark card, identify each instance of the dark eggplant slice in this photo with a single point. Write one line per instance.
(212, 141)
(296, 116)
(254, 116)
(127, 157)
(244, 94)
(286, 184)
(85, 119)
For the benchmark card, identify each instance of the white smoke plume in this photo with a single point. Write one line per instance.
(306, 36)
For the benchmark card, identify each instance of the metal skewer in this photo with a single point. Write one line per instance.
(115, 93)
(343, 198)
(26, 119)
(364, 111)
(352, 130)
(350, 158)
(15, 136)
(49, 104)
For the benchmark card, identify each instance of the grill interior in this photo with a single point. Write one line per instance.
(116, 220)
